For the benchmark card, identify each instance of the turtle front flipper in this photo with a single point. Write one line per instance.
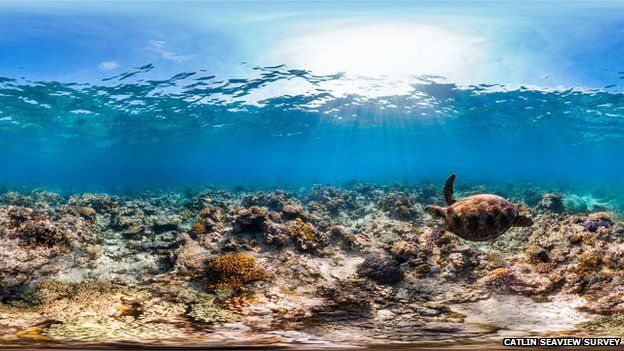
(435, 211)
(448, 190)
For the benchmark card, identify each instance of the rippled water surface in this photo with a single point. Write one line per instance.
(197, 128)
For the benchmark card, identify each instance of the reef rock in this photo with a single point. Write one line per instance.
(381, 268)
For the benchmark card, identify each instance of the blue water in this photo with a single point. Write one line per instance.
(130, 127)
(178, 131)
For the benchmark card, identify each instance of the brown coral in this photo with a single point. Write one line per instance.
(545, 267)
(305, 236)
(214, 213)
(403, 250)
(495, 260)
(232, 271)
(199, 228)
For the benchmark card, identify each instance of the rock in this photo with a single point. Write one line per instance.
(165, 224)
(552, 202)
(381, 268)
(190, 258)
(250, 220)
(292, 211)
(87, 212)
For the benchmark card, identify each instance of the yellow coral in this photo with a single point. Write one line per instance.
(499, 273)
(232, 271)
(495, 260)
(302, 229)
(536, 254)
(589, 262)
(589, 239)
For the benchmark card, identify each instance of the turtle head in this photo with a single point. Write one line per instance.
(435, 211)
(524, 218)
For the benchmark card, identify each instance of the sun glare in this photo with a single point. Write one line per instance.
(385, 49)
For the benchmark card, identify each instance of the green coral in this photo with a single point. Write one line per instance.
(48, 291)
(208, 313)
(189, 296)
(610, 325)
(102, 328)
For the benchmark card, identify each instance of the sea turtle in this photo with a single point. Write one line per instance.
(479, 217)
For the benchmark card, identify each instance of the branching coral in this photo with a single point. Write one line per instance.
(232, 271)
(106, 329)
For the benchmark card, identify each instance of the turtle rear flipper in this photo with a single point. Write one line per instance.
(523, 220)
(524, 217)
(448, 190)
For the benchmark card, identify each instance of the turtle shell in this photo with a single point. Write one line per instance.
(480, 217)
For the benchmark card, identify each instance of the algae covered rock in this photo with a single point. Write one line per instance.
(606, 325)
(400, 206)
(190, 258)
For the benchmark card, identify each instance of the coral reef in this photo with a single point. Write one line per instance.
(338, 264)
